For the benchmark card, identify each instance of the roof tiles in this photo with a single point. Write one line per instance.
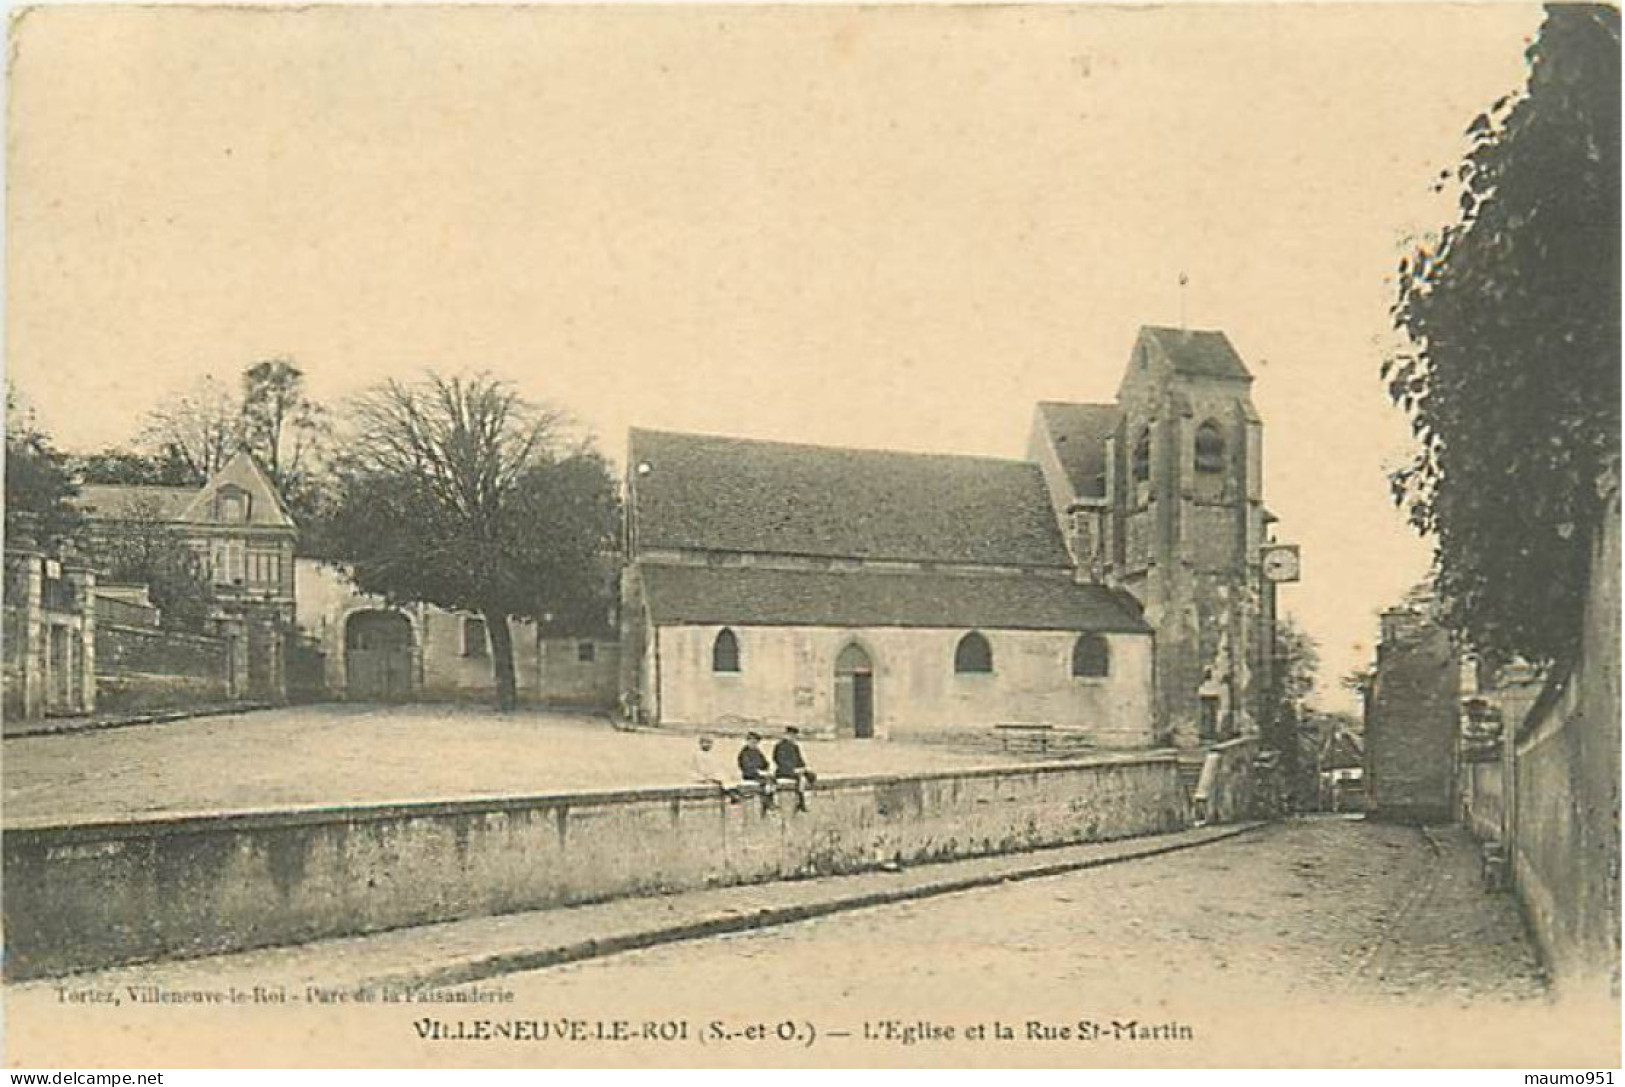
(1199, 353)
(700, 492)
(746, 596)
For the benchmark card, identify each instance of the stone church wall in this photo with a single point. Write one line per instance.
(787, 677)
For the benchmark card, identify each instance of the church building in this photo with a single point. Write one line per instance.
(1109, 583)
(861, 593)
(1161, 494)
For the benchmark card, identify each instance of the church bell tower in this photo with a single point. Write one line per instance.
(1189, 523)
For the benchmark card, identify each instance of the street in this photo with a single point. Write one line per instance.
(1321, 941)
(1314, 910)
(1299, 932)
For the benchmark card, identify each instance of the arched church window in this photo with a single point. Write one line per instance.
(973, 656)
(1091, 657)
(1210, 447)
(1141, 467)
(725, 652)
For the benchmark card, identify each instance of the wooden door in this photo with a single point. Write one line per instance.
(863, 705)
(378, 656)
(854, 693)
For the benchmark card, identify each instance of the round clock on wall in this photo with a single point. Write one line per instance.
(1280, 562)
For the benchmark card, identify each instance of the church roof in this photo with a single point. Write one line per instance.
(747, 596)
(1078, 434)
(1198, 353)
(701, 492)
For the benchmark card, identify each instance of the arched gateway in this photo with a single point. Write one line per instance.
(378, 656)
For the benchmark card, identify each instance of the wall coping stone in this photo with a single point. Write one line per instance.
(159, 632)
(166, 824)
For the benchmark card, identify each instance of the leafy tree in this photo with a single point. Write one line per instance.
(201, 429)
(1297, 663)
(274, 418)
(146, 549)
(111, 465)
(1341, 722)
(39, 487)
(1512, 373)
(282, 426)
(289, 434)
(1298, 658)
(455, 491)
(1359, 680)
(1336, 735)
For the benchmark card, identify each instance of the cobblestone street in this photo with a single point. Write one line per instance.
(1322, 921)
(1317, 910)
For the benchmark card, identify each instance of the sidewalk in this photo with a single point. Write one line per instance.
(54, 726)
(460, 952)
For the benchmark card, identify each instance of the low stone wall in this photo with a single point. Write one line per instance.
(86, 896)
(1483, 800)
(1565, 845)
(143, 668)
(13, 652)
(49, 637)
(1565, 792)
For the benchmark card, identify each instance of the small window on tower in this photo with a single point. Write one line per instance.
(1210, 448)
(1140, 471)
(1207, 726)
(1142, 456)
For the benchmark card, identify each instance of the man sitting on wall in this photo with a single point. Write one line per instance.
(707, 768)
(788, 765)
(754, 767)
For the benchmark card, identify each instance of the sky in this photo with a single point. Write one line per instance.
(892, 228)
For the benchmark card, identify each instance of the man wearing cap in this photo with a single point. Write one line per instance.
(788, 765)
(753, 766)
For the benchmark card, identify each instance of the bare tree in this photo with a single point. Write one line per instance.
(457, 492)
(202, 428)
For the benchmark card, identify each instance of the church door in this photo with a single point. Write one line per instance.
(863, 705)
(855, 693)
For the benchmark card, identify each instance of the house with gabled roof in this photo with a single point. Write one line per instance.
(864, 593)
(236, 522)
(242, 532)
